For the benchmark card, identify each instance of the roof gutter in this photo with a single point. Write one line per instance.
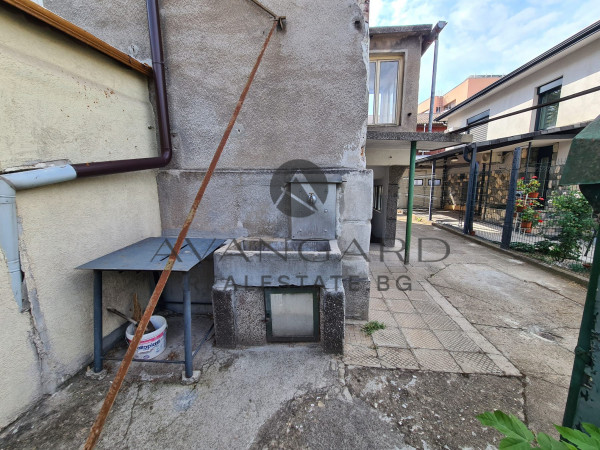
(13, 182)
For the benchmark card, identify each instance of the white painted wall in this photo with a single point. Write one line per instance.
(579, 67)
(62, 100)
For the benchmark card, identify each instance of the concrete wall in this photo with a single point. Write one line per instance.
(65, 101)
(579, 68)
(308, 101)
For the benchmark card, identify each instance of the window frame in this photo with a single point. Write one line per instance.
(378, 59)
(546, 89)
(314, 290)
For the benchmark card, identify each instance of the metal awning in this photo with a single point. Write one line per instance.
(508, 143)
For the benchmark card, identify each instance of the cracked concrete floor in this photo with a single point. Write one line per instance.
(297, 397)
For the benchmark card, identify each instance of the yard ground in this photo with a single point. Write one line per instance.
(477, 331)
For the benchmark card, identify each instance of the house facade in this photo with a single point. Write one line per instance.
(544, 134)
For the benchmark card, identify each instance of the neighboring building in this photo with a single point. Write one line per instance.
(469, 87)
(437, 126)
(394, 66)
(544, 134)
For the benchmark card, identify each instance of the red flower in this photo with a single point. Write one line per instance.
(522, 178)
(540, 221)
(541, 199)
(534, 177)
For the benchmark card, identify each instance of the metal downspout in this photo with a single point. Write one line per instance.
(162, 112)
(9, 235)
(10, 183)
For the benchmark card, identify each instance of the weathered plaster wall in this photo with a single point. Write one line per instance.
(60, 100)
(308, 101)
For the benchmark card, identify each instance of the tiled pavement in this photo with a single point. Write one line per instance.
(423, 330)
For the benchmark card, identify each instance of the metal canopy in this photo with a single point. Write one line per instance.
(510, 142)
(152, 253)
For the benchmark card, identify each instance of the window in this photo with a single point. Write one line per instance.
(378, 198)
(546, 116)
(418, 182)
(436, 182)
(292, 314)
(385, 75)
(479, 132)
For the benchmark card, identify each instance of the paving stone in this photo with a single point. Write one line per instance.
(378, 304)
(383, 317)
(389, 337)
(394, 293)
(476, 363)
(410, 321)
(360, 356)
(420, 296)
(427, 307)
(436, 360)
(457, 341)
(355, 336)
(397, 358)
(422, 339)
(440, 322)
(401, 306)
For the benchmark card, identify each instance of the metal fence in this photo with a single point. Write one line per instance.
(560, 232)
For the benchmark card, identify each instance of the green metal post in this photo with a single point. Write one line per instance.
(409, 206)
(582, 379)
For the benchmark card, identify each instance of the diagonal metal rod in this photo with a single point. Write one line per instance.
(160, 285)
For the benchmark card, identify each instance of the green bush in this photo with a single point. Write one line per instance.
(573, 215)
(522, 247)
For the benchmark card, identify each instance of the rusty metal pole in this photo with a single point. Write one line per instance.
(124, 367)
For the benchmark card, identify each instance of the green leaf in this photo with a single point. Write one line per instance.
(549, 443)
(513, 443)
(593, 431)
(579, 438)
(509, 425)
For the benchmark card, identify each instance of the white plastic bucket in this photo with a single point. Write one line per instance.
(152, 344)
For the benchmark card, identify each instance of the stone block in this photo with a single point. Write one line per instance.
(357, 298)
(332, 320)
(356, 196)
(250, 326)
(224, 316)
(354, 238)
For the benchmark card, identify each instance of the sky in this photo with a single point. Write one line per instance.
(485, 36)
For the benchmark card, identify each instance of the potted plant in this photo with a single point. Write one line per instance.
(530, 217)
(529, 188)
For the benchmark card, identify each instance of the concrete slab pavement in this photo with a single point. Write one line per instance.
(282, 396)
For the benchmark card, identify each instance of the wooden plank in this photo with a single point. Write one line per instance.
(57, 22)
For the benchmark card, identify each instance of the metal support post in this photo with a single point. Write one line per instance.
(97, 321)
(471, 188)
(431, 189)
(409, 206)
(510, 201)
(187, 326)
(584, 391)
